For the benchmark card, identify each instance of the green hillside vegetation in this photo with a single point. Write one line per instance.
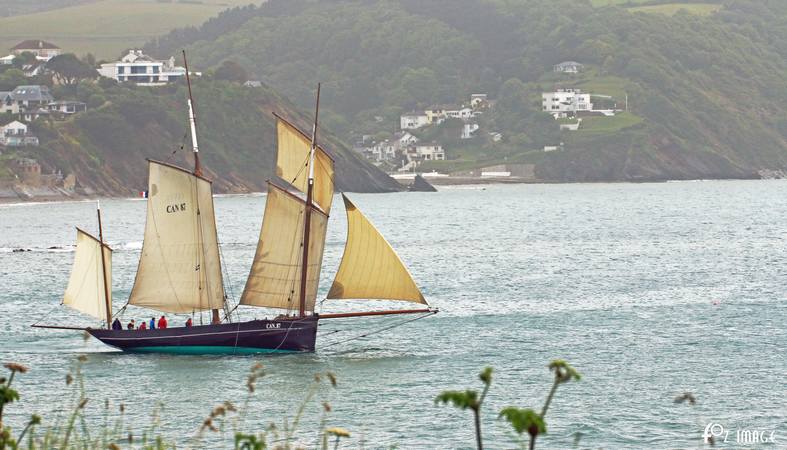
(673, 8)
(106, 147)
(107, 27)
(706, 92)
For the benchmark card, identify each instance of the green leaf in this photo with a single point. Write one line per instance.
(460, 399)
(523, 420)
(563, 371)
(486, 376)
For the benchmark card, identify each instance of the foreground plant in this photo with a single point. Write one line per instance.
(7, 396)
(527, 420)
(469, 399)
(522, 420)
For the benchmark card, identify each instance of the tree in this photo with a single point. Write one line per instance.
(24, 58)
(69, 70)
(231, 71)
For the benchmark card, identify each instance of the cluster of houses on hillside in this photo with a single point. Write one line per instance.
(135, 66)
(43, 51)
(28, 103)
(404, 151)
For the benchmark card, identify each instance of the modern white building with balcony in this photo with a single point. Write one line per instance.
(136, 67)
(565, 102)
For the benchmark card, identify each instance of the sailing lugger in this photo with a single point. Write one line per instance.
(180, 265)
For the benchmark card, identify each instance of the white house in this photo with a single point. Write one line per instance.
(384, 151)
(404, 139)
(468, 129)
(463, 113)
(565, 102)
(15, 134)
(43, 50)
(413, 120)
(430, 152)
(7, 60)
(568, 67)
(136, 67)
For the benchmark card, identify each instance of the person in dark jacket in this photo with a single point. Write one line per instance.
(131, 325)
(152, 324)
(116, 325)
(189, 323)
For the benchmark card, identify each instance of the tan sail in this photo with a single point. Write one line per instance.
(85, 291)
(275, 277)
(292, 164)
(370, 269)
(179, 269)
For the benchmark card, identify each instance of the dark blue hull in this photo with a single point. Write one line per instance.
(256, 336)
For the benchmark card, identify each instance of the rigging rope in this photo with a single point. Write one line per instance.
(379, 330)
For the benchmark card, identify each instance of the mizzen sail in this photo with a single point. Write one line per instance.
(275, 277)
(292, 164)
(85, 291)
(180, 268)
(370, 269)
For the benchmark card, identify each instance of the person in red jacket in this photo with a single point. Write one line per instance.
(188, 322)
(162, 323)
(143, 325)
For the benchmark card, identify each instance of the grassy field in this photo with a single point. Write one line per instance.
(107, 27)
(702, 9)
(605, 85)
(603, 125)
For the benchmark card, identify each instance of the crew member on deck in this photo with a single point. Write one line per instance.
(162, 322)
(188, 323)
(152, 324)
(131, 325)
(143, 326)
(116, 325)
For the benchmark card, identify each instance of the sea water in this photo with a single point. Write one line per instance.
(649, 290)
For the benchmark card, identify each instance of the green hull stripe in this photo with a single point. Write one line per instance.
(204, 350)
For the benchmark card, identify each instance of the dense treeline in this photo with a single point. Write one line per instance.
(709, 88)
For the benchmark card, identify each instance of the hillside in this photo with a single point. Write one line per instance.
(103, 27)
(703, 80)
(106, 147)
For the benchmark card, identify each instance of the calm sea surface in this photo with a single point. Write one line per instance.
(650, 290)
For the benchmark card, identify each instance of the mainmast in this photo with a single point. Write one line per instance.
(308, 210)
(195, 148)
(104, 267)
(192, 121)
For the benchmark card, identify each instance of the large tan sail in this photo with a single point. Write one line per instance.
(180, 268)
(275, 277)
(85, 291)
(370, 269)
(292, 164)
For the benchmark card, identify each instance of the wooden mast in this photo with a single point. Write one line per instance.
(192, 121)
(195, 148)
(308, 211)
(104, 267)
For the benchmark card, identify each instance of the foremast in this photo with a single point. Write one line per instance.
(195, 150)
(107, 296)
(308, 211)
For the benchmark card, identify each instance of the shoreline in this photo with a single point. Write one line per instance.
(437, 181)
